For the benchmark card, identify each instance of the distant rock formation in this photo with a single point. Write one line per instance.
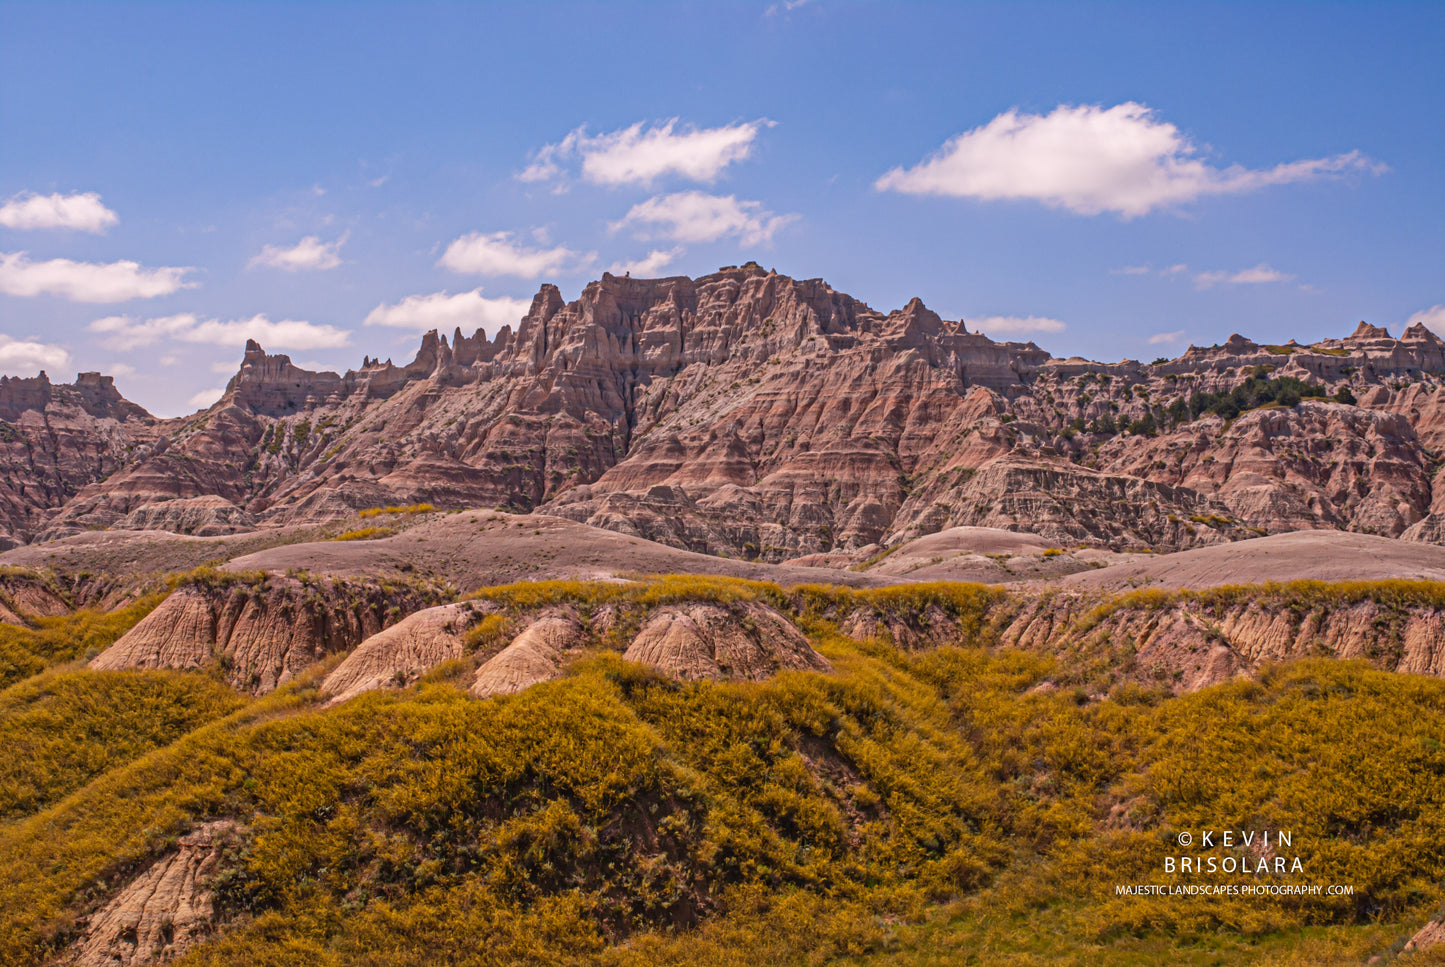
(751, 414)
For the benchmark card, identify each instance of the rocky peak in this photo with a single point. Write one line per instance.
(21, 393)
(1420, 333)
(98, 396)
(272, 385)
(1237, 345)
(914, 326)
(1366, 331)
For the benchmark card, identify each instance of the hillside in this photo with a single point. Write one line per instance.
(728, 621)
(750, 414)
(707, 770)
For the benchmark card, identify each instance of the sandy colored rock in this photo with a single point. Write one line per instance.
(533, 657)
(205, 516)
(1428, 936)
(261, 634)
(399, 655)
(161, 913)
(180, 633)
(745, 640)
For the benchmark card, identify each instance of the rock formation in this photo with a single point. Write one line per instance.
(746, 640)
(751, 414)
(261, 630)
(208, 516)
(399, 655)
(1188, 642)
(1428, 936)
(161, 913)
(533, 657)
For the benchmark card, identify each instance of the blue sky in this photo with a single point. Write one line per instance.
(1110, 180)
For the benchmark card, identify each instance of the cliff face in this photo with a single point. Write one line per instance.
(753, 414)
(55, 439)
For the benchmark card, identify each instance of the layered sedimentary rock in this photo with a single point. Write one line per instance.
(747, 641)
(533, 657)
(260, 631)
(161, 913)
(1189, 642)
(756, 415)
(399, 655)
(58, 438)
(208, 516)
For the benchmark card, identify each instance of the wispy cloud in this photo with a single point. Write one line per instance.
(76, 212)
(787, 6)
(1161, 338)
(88, 281)
(465, 310)
(639, 155)
(692, 216)
(309, 253)
(1259, 275)
(1432, 318)
(650, 264)
(1131, 270)
(206, 397)
(125, 333)
(1016, 325)
(26, 357)
(497, 254)
(1090, 159)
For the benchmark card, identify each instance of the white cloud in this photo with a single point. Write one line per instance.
(465, 310)
(1159, 338)
(638, 156)
(309, 253)
(1258, 275)
(26, 357)
(1131, 270)
(787, 6)
(496, 254)
(1016, 325)
(88, 281)
(119, 369)
(1433, 318)
(1091, 159)
(650, 264)
(206, 397)
(691, 216)
(125, 333)
(77, 212)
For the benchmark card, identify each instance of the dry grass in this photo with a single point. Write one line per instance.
(398, 509)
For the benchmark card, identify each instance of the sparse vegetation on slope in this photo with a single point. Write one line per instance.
(25, 651)
(913, 806)
(61, 729)
(402, 509)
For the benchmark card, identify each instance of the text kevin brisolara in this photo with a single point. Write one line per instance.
(1262, 844)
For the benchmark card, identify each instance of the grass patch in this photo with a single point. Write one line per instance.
(909, 808)
(61, 729)
(397, 509)
(51, 641)
(365, 534)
